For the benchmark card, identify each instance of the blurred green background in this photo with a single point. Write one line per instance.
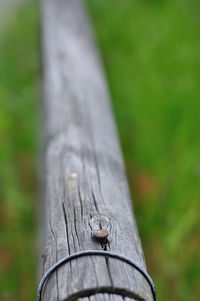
(151, 51)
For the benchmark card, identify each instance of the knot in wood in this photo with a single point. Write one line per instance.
(101, 236)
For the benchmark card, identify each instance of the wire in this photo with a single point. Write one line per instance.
(98, 253)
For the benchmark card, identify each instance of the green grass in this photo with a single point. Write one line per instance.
(151, 50)
(18, 102)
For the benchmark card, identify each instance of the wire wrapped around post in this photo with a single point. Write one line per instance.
(91, 253)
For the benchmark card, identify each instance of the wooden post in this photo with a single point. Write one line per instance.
(85, 184)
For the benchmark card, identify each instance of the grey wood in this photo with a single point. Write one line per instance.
(106, 297)
(85, 187)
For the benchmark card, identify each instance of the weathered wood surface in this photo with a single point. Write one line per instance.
(106, 297)
(85, 184)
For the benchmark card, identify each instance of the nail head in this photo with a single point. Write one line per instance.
(101, 235)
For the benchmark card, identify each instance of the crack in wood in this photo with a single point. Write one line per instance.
(66, 227)
(95, 203)
(75, 228)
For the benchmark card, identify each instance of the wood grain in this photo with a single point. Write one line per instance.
(85, 187)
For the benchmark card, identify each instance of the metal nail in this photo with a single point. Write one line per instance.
(101, 235)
